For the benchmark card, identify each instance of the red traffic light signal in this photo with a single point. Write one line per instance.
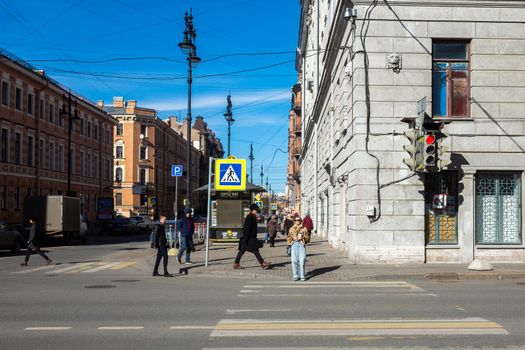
(430, 139)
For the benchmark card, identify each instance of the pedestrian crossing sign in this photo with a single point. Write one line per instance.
(230, 174)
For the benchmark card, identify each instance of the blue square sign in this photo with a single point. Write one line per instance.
(176, 170)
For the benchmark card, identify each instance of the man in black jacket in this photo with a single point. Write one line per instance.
(33, 243)
(249, 241)
(161, 243)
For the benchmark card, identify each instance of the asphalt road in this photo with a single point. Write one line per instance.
(102, 296)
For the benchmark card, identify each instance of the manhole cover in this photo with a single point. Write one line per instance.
(100, 286)
(125, 281)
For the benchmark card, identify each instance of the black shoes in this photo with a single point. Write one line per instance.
(168, 274)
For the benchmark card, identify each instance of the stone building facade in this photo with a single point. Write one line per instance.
(364, 67)
(145, 147)
(293, 183)
(34, 142)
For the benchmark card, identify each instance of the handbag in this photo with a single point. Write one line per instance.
(173, 252)
(289, 250)
(261, 243)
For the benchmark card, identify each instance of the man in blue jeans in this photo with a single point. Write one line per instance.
(186, 227)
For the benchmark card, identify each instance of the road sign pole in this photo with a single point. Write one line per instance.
(209, 214)
(176, 203)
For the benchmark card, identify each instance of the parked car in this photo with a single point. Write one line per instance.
(140, 224)
(119, 225)
(10, 237)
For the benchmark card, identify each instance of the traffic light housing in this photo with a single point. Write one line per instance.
(413, 149)
(429, 151)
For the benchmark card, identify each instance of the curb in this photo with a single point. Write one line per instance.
(456, 276)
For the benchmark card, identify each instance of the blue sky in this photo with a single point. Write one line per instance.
(129, 48)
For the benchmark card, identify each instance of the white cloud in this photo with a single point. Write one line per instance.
(211, 101)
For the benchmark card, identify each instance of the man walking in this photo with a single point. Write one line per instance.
(161, 243)
(186, 227)
(249, 241)
(33, 243)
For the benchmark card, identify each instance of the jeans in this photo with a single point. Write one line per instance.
(298, 259)
(162, 253)
(266, 237)
(185, 245)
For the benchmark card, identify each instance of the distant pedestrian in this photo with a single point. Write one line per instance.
(298, 237)
(186, 227)
(271, 227)
(161, 243)
(287, 224)
(33, 242)
(249, 241)
(308, 223)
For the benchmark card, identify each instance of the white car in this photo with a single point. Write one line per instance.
(141, 224)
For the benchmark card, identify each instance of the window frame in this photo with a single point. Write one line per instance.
(4, 145)
(18, 148)
(467, 60)
(30, 103)
(19, 99)
(5, 93)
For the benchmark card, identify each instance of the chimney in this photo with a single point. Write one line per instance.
(130, 106)
(118, 101)
(100, 103)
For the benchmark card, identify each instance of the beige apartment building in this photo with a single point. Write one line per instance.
(34, 142)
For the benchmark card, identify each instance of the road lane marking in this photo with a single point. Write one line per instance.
(47, 328)
(103, 267)
(70, 267)
(409, 294)
(237, 328)
(123, 265)
(120, 328)
(368, 338)
(37, 269)
(249, 291)
(237, 311)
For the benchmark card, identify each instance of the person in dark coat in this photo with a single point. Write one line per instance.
(287, 224)
(271, 228)
(186, 227)
(249, 241)
(161, 243)
(33, 243)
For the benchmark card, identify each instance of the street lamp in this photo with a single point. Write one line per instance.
(229, 118)
(188, 47)
(251, 158)
(67, 113)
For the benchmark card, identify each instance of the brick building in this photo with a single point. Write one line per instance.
(293, 184)
(34, 142)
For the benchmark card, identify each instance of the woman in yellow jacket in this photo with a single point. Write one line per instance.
(298, 237)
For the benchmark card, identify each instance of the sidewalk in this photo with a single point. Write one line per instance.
(324, 263)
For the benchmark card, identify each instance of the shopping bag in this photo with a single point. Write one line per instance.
(173, 252)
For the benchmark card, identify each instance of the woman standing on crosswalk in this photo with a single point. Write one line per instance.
(298, 238)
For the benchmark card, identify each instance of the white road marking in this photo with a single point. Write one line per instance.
(236, 311)
(47, 328)
(70, 267)
(410, 294)
(103, 267)
(120, 328)
(36, 269)
(249, 291)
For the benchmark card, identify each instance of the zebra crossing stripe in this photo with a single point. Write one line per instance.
(100, 268)
(68, 268)
(122, 265)
(238, 328)
(36, 269)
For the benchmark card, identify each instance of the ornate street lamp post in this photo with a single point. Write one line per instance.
(71, 116)
(229, 118)
(188, 47)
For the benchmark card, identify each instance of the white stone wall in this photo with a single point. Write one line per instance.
(493, 138)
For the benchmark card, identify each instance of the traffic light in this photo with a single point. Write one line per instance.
(413, 149)
(430, 151)
(443, 157)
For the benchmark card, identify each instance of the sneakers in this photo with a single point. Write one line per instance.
(23, 264)
(296, 279)
(237, 266)
(303, 279)
(155, 274)
(265, 265)
(189, 262)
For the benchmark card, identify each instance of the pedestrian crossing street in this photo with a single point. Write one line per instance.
(76, 268)
(268, 322)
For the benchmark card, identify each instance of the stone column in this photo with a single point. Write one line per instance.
(467, 217)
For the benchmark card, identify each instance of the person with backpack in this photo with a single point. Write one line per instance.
(33, 243)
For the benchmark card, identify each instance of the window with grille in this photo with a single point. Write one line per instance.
(498, 208)
(441, 208)
(450, 79)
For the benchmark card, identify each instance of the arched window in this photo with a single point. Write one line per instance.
(118, 175)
